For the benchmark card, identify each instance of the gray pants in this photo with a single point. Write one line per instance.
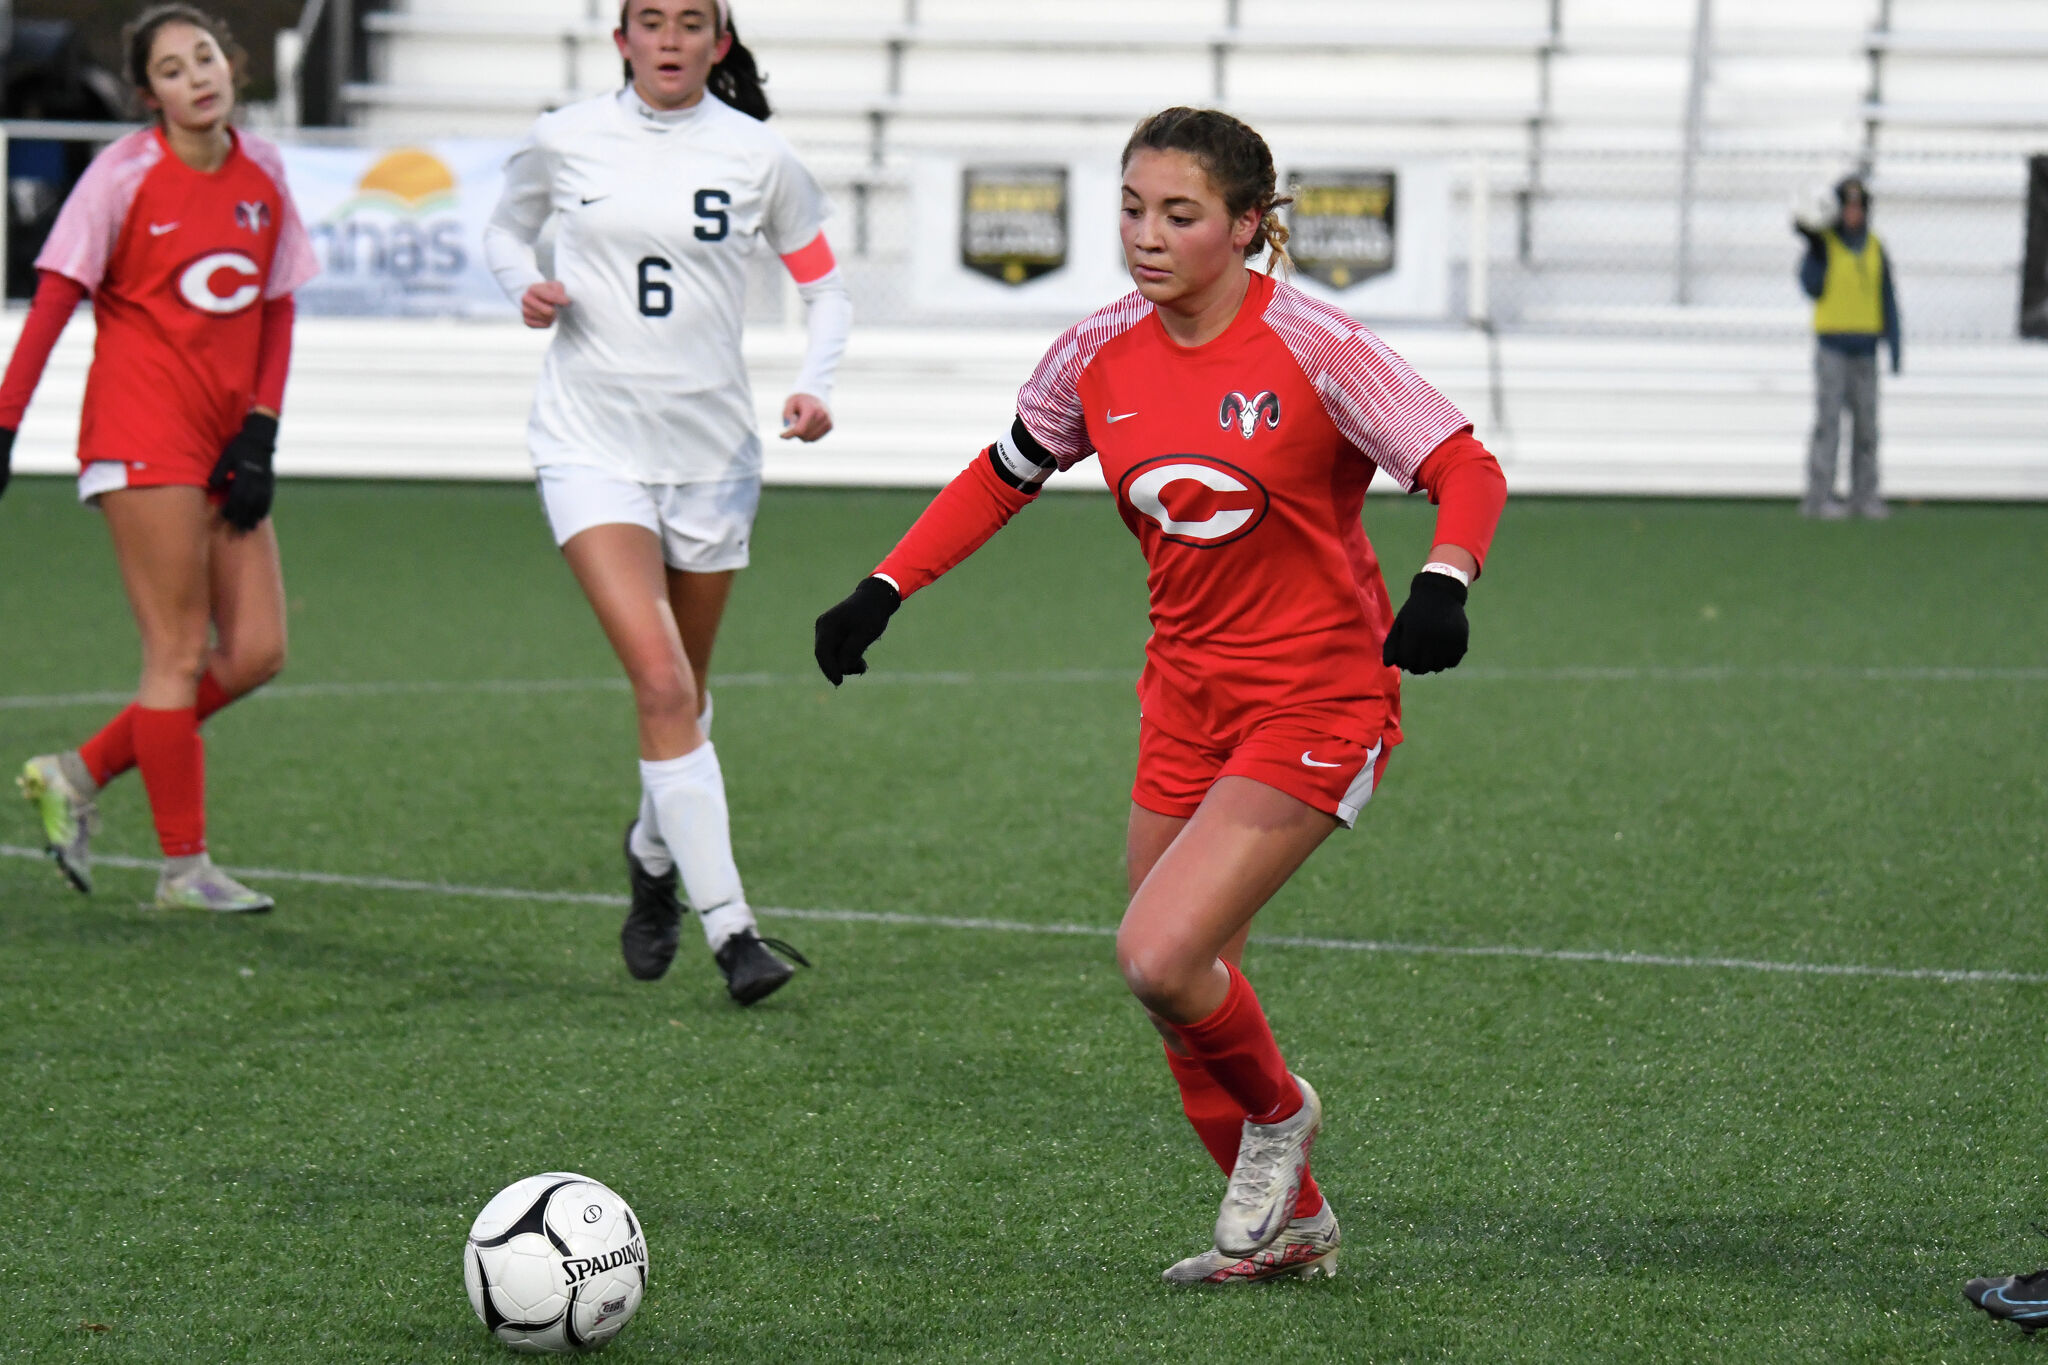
(1843, 381)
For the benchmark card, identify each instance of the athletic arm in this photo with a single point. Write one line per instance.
(1465, 483)
(1001, 482)
(1891, 314)
(1813, 267)
(828, 322)
(57, 298)
(274, 355)
(523, 208)
(979, 502)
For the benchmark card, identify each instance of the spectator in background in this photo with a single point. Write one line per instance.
(1848, 274)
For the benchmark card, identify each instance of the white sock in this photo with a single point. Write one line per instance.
(647, 843)
(646, 840)
(688, 797)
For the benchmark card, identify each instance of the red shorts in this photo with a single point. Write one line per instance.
(1336, 776)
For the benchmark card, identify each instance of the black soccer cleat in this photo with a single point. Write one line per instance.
(2019, 1299)
(752, 972)
(654, 926)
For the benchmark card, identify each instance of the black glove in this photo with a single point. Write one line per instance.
(243, 473)
(845, 632)
(1430, 633)
(6, 457)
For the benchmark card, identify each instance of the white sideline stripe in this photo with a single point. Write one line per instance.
(1007, 926)
(535, 686)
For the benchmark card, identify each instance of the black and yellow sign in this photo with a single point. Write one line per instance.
(1343, 225)
(2034, 277)
(1013, 221)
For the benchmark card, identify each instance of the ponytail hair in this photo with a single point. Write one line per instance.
(1238, 163)
(737, 78)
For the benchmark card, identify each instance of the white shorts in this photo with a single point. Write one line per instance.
(101, 476)
(703, 527)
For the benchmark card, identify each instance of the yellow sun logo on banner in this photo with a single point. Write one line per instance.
(408, 180)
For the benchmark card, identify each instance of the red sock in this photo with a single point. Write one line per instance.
(173, 764)
(1235, 1045)
(111, 752)
(1219, 1122)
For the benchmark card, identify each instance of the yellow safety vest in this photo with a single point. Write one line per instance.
(1852, 299)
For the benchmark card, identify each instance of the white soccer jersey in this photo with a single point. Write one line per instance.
(659, 214)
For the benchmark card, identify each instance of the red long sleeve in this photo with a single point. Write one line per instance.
(57, 298)
(274, 353)
(1465, 483)
(970, 509)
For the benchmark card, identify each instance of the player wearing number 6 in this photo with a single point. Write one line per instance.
(642, 430)
(1238, 423)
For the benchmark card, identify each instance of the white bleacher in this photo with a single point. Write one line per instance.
(418, 399)
(1581, 125)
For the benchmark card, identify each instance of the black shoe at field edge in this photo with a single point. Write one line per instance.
(752, 972)
(2019, 1299)
(654, 926)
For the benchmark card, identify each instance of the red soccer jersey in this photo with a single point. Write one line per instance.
(179, 263)
(1241, 465)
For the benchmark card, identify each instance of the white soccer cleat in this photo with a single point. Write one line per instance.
(206, 887)
(1272, 1158)
(1305, 1248)
(69, 817)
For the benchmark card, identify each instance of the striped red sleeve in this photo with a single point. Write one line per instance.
(1469, 490)
(57, 297)
(274, 353)
(978, 503)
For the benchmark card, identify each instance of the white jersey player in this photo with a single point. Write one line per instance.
(642, 431)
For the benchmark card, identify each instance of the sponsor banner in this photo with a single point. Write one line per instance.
(399, 229)
(1373, 240)
(2034, 277)
(1343, 224)
(1014, 221)
(1015, 238)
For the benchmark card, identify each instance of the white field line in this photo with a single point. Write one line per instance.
(1955, 976)
(1072, 676)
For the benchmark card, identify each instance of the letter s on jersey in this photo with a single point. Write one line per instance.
(1245, 501)
(195, 283)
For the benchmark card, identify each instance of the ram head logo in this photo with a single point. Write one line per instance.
(1245, 413)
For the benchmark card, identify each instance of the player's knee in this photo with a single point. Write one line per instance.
(662, 689)
(245, 669)
(1157, 974)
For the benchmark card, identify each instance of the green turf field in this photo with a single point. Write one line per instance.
(1686, 730)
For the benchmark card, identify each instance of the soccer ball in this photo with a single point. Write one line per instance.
(555, 1264)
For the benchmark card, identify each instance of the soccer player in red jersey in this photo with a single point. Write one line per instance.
(187, 241)
(1238, 422)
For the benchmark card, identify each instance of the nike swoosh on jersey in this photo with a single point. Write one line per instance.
(1114, 417)
(595, 199)
(1310, 762)
(159, 229)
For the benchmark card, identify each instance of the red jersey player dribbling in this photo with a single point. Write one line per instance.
(1239, 423)
(188, 244)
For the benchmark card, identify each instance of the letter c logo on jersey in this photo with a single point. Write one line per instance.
(1196, 500)
(201, 281)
